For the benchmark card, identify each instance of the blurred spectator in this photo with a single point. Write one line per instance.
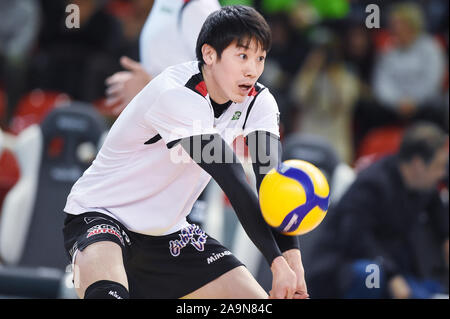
(359, 53)
(380, 221)
(76, 60)
(409, 76)
(359, 57)
(289, 50)
(19, 25)
(326, 93)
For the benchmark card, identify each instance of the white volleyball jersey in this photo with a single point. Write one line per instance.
(140, 181)
(169, 35)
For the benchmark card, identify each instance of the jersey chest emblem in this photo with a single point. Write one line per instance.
(236, 115)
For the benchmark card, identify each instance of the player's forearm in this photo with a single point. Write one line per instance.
(245, 203)
(286, 242)
(265, 151)
(227, 171)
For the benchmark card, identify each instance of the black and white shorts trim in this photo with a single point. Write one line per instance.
(169, 266)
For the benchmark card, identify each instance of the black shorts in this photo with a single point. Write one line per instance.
(169, 266)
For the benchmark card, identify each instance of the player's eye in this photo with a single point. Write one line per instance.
(243, 56)
(261, 58)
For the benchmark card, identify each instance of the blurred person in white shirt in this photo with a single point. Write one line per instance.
(168, 37)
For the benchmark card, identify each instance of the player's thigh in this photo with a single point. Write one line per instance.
(237, 283)
(99, 261)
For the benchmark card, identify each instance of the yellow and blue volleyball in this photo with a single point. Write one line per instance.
(294, 197)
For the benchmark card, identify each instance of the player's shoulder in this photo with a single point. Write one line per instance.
(260, 94)
(179, 74)
(182, 80)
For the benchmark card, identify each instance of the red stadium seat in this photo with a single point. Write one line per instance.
(382, 40)
(105, 110)
(381, 141)
(9, 173)
(34, 106)
(119, 8)
(377, 144)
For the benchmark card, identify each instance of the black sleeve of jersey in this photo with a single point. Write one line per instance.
(213, 155)
(265, 150)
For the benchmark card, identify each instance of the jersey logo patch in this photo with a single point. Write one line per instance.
(236, 115)
(105, 229)
(193, 235)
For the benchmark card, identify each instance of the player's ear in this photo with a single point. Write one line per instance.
(209, 54)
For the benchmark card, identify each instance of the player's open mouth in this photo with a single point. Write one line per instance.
(244, 88)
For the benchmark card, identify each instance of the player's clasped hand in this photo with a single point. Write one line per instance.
(294, 260)
(284, 280)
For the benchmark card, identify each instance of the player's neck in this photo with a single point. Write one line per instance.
(219, 109)
(214, 90)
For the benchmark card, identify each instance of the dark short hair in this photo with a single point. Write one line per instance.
(422, 139)
(230, 23)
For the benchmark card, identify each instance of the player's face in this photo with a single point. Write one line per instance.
(236, 72)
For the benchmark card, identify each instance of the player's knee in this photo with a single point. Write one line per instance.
(106, 289)
(93, 264)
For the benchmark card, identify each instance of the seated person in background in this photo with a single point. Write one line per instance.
(408, 76)
(326, 93)
(379, 217)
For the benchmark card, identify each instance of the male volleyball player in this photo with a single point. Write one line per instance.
(126, 228)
